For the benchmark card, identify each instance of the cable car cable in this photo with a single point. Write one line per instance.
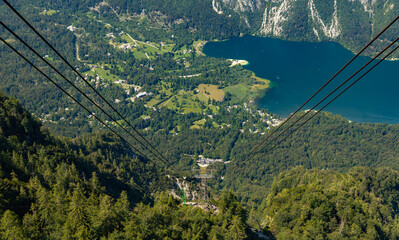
(336, 89)
(325, 84)
(85, 95)
(317, 112)
(120, 115)
(75, 100)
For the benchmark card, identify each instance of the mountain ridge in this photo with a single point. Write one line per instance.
(351, 23)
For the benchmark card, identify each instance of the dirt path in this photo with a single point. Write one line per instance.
(148, 44)
(77, 52)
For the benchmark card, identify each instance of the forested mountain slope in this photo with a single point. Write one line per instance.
(31, 155)
(322, 204)
(86, 188)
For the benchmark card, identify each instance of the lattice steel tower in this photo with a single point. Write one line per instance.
(203, 174)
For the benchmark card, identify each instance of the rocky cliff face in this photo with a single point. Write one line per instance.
(279, 16)
(241, 5)
(244, 9)
(316, 20)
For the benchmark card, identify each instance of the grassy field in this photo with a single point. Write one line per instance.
(10, 40)
(48, 12)
(241, 92)
(126, 38)
(50, 59)
(211, 91)
(145, 117)
(202, 97)
(198, 124)
(181, 101)
(183, 52)
(153, 102)
(105, 74)
(150, 49)
(141, 48)
(187, 103)
(198, 45)
(158, 101)
(139, 54)
(167, 47)
(102, 73)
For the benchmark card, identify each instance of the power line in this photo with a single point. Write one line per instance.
(317, 112)
(79, 103)
(85, 95)
(336, 89)
(120, 115)
(325, 84)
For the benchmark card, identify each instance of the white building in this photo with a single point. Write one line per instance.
(71, 28)
(142, 94)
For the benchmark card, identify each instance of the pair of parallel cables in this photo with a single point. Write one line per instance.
(152, 149)
(259, 148)
(149, 148)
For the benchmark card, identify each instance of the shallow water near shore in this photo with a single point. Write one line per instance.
(298, 69)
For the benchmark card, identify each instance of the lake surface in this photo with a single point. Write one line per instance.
(298, 69)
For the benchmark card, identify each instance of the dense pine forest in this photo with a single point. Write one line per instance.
(323, 204)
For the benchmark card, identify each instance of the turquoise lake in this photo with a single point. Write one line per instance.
(298, 69)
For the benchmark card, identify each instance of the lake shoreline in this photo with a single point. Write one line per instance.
(296, 70)
(260, 88)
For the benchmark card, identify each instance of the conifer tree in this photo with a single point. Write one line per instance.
(10, 226)
(77, 223)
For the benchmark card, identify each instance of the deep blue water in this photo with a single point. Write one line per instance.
(298, 69)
